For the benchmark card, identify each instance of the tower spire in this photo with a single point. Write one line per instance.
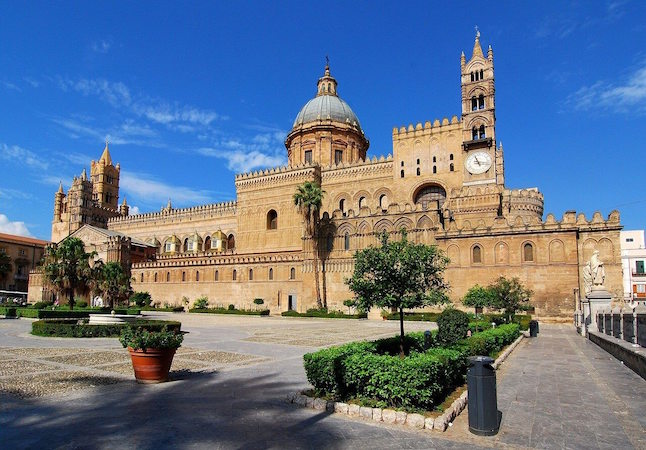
(60, 187)
(105, 157)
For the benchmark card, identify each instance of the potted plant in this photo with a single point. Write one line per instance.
(151, 352)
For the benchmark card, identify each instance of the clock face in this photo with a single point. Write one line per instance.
(478, 162)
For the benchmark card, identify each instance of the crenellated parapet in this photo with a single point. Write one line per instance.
(427, 129)
(212, 259)
(170, 215)
(276, 177)
(369, 168)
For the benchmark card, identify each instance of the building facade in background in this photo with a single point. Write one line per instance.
(25, 254)
(444, 183)
(633, 258)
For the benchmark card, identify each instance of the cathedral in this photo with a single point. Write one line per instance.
(444, 184)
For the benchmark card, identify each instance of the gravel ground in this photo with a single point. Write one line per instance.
(90, 358)
(13, 367)
(53, 383)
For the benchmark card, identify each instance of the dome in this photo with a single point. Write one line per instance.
(327, 107)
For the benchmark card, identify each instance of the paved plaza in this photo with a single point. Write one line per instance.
(233, 372)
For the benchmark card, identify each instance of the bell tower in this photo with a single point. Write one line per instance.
(105, 181)
(482, 160)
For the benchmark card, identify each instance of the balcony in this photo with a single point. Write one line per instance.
(477, 143)
(639, 274)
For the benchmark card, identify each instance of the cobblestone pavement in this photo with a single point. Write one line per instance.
(231, 375)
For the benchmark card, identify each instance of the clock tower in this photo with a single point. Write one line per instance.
(483, 162)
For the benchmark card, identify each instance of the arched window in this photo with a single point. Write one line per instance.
(383, 202)
(481, 74)
(346, 241)
(272, 220)
(402, 164)
(250, 274)
(231, 242)
(434, 169)
(451, 157)
(528, 252)
(474, 133)
(292, 273)
(167, 276)
(481, 132)
(207, 243)
(197, 276)
(481, 104)
(362, 202)
(474, 103)
(186, 242)
(401, 174)
(417, 160)
(342, 206)
(472, 77)
(216, 276)
(434, 159)
(183, 276)
(451, 167)
(155, 277)
(142, 277)
(476, 254)
(271, 273)
(235, 275)
(330, 243)
(418, 171)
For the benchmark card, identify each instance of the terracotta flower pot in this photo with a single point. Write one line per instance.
(152, 365)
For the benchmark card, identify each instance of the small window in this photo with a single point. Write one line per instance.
(362, 202)
(474, 104)
(477, 254)
(481, 132)
(167, 277)
(292, 273)
(216, 276)
(342, 206)
(308, 156)
(346, 242)
(330, 243)
(418, 172)
(481, 74)
(272, 220)
(401, 164)
(142, 278)
(383, 202)
(528, 252)
(338, 156)
(250, 274)
(481, 102)
(207, 243)
(401, 174)
(417, 160)
(434, 159)
(235, 275)
(183, 276)
(474, 133)
(434, 169)
(155, 277)
(629, 239)
(451, 157)
(473, 78)
(451, 167)
(271, 273)
(231, 242)
(197, 276)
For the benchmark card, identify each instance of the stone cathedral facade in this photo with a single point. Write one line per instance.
(444, 183)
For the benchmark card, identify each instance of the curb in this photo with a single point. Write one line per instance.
(390, 416)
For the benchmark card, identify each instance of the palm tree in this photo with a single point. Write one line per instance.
(66, 267)
(309, 198)
(113, 282)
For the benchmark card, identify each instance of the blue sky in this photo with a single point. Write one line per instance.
(190, 93)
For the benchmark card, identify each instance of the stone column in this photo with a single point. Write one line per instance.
(594, 302)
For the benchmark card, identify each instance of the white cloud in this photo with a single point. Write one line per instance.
(116, 94)
(629, 95)
(9, 227)
(166, 114)
(32, 82)
(147, 189)
(101, 46)
(10, 86)
(21, 155)
(8, 193)
(133, 211)
(244, 161)
(127, 133)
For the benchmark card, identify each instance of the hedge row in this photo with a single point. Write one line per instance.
(413, 317)
(373, 370)
(63, 328)
(164, 309)
(262, 312)
(80, 314)
(324, 314)
(11, 311)
(498, 319)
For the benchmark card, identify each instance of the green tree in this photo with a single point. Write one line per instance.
(308, 198)
(141, 299)
(510, 296)
(478, 297)
(113, 282)
(5, 265)
(399, 275)
(66, 267)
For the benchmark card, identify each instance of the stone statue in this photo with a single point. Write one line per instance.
(587, 278)
(597, 270)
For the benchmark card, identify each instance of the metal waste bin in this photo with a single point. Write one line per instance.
(533, 328)
(483, 401)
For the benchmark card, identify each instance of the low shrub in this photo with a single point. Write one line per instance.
(74, 328)
(258, 301)
(479, 325)
(77, 314)
(324, 313)
(453, 325)
(141, 299)
(262, 312)
(489, 342)
(8, 312)
(42, 305)
(28, 312)
(82, 304)
(142, 339)
(201, 302)
(414, 317)
(232, 307)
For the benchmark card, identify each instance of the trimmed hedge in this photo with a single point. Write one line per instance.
(168, 309)
(262, 312)
(414, 317)
(77, 314)
(19, 312)
(8, 312)
(324, 314)
(71, 328)
(373, 371)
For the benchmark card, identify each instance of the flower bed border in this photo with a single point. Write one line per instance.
(391, 416)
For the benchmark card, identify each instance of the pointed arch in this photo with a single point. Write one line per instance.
(557, 251)
(403, 222)
(501, 251)
(384, 225)
(424, 222)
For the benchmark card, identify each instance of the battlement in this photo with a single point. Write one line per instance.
(276, 176)
(381, 166)
(213, 209)
(206, 259)
(427, 129)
